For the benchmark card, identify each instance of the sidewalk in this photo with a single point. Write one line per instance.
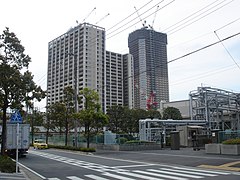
(12, 176)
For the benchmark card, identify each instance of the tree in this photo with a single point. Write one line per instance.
(68, 101)
(57, 116)
(171, 113)
(91, 116)
(154, 114)
(116, 114)
(35, 119)
(16, 82)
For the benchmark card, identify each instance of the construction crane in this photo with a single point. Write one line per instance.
(102, 18)
(151, 101)
(155, 14)
(143, 23)
(88, 15)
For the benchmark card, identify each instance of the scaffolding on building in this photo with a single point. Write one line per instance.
(220, 108)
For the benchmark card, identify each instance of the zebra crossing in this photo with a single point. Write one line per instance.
(150, 172)
(174, 173)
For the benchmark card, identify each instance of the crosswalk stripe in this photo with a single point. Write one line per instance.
(159, 175)
(200, 170)
(53, 179)
(176, 174)
(117, 176)
(139, 176)
(195, 173)
(96, 177)
(74, 178)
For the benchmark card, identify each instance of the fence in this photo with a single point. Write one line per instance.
(57, 139)
(228, 134)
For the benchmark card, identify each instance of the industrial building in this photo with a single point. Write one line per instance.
(220, 108)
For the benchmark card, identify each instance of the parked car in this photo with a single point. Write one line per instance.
(39, 144)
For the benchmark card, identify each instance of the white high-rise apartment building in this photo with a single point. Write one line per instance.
(119, 79)
(76, 56)
(78, 59)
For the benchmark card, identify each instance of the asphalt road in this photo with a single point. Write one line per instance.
(103, 165)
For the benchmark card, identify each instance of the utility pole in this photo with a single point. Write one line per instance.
(75, 97)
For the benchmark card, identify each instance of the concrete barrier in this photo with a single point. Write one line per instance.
(213, 148)
(230, 149)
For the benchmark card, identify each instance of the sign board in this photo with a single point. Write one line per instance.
(16, 117)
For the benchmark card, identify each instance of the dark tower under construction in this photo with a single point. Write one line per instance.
(149, 50)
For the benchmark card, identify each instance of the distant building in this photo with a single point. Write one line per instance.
(119, 79)
(182, 105)
(149, 50)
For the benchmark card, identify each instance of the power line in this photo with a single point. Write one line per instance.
(189, 16)
(229, 37)
(205, 74)
(172, 31)
(140, 21)
(228, 24)
(129, 16)
(136, 18)
(227, 50)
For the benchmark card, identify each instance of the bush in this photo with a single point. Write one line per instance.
(73, 148)
(138, 142)
(7, 165)
(121, 140)
(232, 141)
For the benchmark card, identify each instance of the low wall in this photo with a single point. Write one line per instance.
(129, 147)
(226, 149)
(213, 148)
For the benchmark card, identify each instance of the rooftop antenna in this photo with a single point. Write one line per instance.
(103, 18)
(143, 23)
(89, 14)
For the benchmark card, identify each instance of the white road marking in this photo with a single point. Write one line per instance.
(117, 176)
(74, 178)
(202, 170)
(96, 177)
(176, 174)
(139, 176)
(54, 179)
(160, 175)
(138, 165)
(188, 172)
(83, 164)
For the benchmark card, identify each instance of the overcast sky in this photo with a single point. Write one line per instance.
(189, 24)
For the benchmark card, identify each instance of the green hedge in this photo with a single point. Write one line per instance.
(139, 142)
(7, 165)
(232, 141)
(73, 148)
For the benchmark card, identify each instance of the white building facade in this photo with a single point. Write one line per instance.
(76, 59)
(79, 59)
